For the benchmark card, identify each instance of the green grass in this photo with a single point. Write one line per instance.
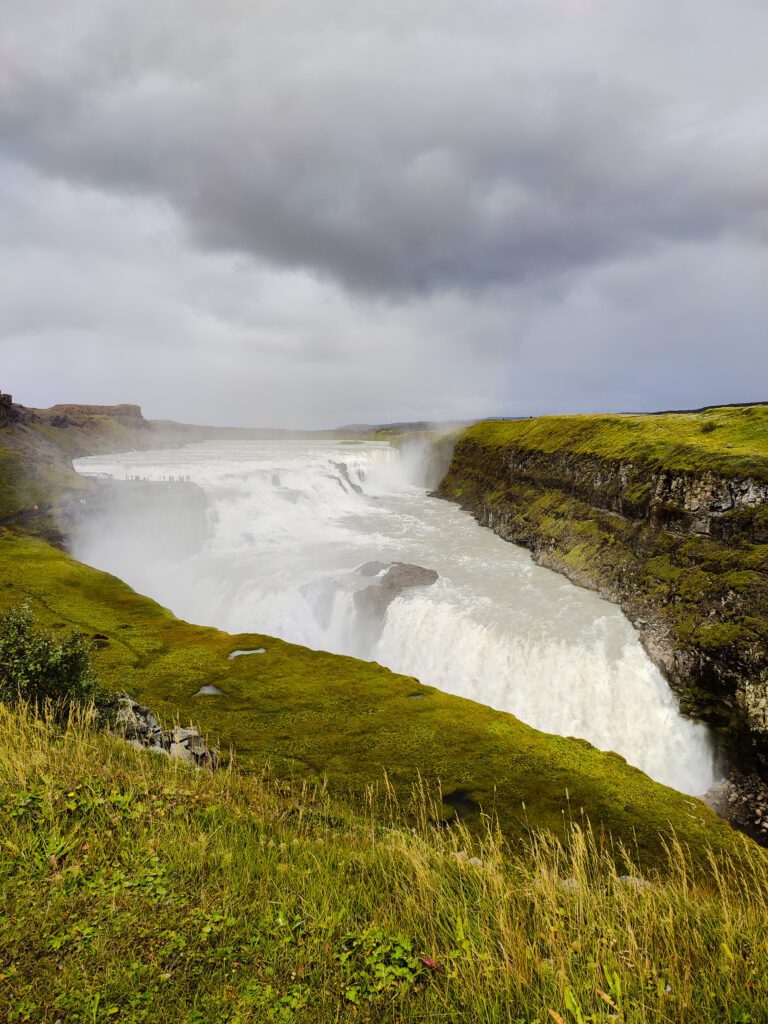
(314, 715)
(31, 475)
(729, 440)
(11, 476)
(135, 889)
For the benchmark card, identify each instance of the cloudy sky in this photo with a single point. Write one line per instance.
(320, 211)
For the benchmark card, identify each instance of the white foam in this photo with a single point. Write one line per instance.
(290, 521)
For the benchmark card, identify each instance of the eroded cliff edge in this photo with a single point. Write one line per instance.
(666, 515)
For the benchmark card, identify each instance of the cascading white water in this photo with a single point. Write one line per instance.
(290, 523)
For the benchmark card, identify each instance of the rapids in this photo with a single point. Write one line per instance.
(287, 525)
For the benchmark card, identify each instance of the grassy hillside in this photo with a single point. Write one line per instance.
(134, 889)
(731, 440)
(11, 483)
(312, 715)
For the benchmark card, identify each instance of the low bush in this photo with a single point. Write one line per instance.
(42, 669)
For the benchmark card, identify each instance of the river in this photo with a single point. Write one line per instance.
(295, 534)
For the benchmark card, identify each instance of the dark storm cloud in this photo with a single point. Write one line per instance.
(300, 212)
(397, 149)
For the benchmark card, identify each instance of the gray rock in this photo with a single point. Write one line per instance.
(633, 882)
(139, 726)
(197, 745)
(400, 576)
(182, 753)
(136, 722)
(179, 735)
(343, 469)
(372, 568)
(390, 580)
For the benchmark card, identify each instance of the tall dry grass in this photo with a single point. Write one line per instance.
(135, 889)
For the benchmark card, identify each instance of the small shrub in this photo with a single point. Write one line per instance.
(40, 668)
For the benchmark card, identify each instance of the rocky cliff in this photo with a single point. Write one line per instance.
(37, 482)
(653, 514)
(6, 406)
(80, 415)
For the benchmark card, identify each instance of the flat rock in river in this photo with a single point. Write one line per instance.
(389, 580)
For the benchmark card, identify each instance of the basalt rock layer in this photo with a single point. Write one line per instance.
(80, 415)
(6, 408)
(653, 515)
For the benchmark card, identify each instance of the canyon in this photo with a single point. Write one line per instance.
(679, 546)
(677, 534)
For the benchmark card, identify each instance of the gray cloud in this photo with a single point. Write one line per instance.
(402, 151)
(312, 212)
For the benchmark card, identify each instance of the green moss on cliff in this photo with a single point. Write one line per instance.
(656, 573)
(554, 484)
(730, 440)
(11, 476)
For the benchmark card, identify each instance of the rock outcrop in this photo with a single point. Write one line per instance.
(683, 502)
(682, 551)
(6, 404)
(79, 415)
(742, 799)
(140, 727)
(389, 579)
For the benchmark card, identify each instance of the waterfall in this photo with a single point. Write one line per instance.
(328, 545)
